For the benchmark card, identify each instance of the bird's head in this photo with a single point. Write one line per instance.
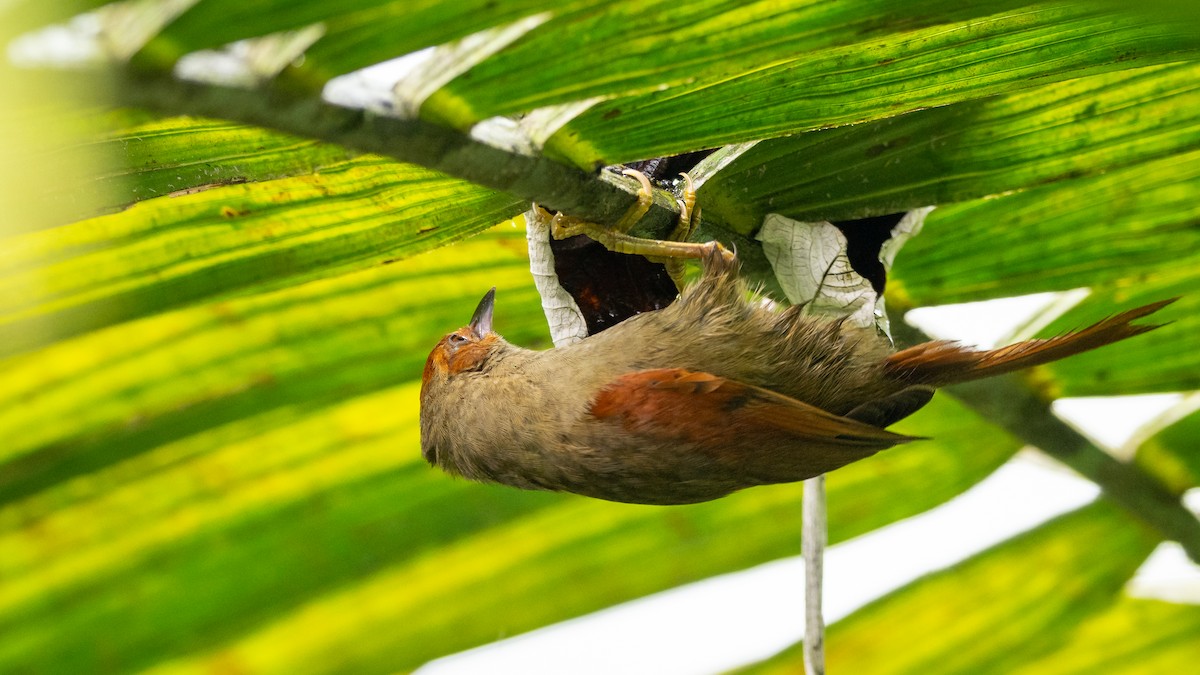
(464, 350)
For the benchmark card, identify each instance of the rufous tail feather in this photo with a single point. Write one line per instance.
(944, 362)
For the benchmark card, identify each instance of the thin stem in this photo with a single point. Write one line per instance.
(813, 540)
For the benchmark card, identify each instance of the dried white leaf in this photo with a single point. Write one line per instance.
(562, 313)
(504, 133)
(527, 134)
(249, 63)
(908, 227)
(443, 63)
(399, 87)
(370, 88)
(809, 260)
(113, 32)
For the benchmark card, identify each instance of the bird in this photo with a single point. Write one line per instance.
(712, 394)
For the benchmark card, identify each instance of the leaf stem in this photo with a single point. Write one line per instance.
(600, 197)
(813, 539)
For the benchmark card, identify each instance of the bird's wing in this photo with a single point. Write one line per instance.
(704, 409)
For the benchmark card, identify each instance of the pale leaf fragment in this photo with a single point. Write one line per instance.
(566, 322)
(809, 260)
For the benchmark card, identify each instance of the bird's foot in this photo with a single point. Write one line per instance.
(671, 252)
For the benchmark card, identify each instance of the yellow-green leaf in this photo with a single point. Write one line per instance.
(173, 250)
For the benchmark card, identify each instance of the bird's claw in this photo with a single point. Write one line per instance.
(718, 258)
(671, 252)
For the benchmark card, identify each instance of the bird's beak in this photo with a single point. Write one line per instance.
(481, 322)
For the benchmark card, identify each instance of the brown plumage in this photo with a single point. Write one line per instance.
(712, 394)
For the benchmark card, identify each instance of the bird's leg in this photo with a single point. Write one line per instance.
(671, 252)
(684, 227)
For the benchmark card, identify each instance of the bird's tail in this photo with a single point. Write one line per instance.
(944, 362)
